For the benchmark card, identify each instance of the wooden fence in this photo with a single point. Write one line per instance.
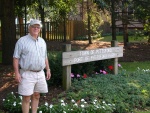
(55, 30)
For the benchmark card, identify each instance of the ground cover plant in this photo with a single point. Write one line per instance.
(99, 93)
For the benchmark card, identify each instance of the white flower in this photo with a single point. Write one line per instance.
(109, 104)
(82, 100)
(95, 100)
(73, 101)
(97, 106)
(64, 111)
(103, 107)
(46, 104)
(75, 104)
(103, 102)
(50, 106)
(40, 111)
(85, 102)
(62, 101)
(62, 104)
(3, 99)
(94, 103)
(82, 105)
(12, 93)
(14, 104)
(113, 104)
(20, 97)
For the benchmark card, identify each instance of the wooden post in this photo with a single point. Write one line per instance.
(115, 44)
(66, 70)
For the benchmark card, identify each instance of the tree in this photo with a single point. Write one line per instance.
(52, 10)
(142, 13)
(93, 19)
(109, 5)
(112, 6)
(64, 8)
(125, 21)
(8, 30)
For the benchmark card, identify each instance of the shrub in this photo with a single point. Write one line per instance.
(126, 92)
(89, 68)
(55, 60)
(12, 103)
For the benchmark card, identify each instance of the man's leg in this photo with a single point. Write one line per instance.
(25, 104)
(35, 102)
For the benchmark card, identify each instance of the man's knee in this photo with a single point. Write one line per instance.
(26, 99)
(36, 96)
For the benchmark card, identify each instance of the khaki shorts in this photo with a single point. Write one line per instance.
(32, 82)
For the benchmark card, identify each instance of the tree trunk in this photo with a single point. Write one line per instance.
(8, 31)
(149, 38)
(43, 22)
(0, 22)
(124, 23)
(89, 22)
(21, 27)
(113, 20)
(65, 35)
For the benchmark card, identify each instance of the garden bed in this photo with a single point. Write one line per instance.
(134, 52)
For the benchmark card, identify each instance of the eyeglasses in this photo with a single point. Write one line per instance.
(36, 27)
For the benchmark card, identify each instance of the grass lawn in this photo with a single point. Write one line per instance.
(132, 66)
(120, 39)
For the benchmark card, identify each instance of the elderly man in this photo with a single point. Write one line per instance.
(29, 61)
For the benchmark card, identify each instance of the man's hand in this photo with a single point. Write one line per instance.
(48, 74)
(18, 77)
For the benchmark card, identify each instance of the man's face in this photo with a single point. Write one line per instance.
(34, 30)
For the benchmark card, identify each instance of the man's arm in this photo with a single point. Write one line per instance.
(16, 69)
(48, 70)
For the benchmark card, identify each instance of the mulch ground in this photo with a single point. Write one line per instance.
(133, 52)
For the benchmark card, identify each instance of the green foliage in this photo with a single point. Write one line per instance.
(132, 38)
(97, 94)
(80, 68)
(65, 7)
(102, 4)
(53, 9)
(12, 103)
(142, 12)
(126, 92)
(91, 67)
(73, 106)
(102, 64)
(55, 61)
(96, 20)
